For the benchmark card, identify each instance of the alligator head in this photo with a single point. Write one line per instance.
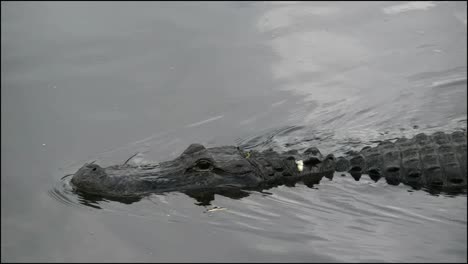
(201, 172)
(196, 168)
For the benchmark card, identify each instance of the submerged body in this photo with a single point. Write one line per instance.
(437, 160)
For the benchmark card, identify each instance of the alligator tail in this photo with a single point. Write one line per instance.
(437, 160)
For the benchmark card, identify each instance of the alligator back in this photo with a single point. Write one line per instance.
(437, 160)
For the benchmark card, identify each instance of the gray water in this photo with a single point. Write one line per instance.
(104, 80)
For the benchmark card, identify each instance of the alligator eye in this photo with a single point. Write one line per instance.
(94, 169)
(203, 165)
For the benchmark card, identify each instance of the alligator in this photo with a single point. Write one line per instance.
(437, 160)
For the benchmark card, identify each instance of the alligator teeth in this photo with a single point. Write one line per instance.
(300, 165)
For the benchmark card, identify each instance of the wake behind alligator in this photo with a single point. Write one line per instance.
(434, 162)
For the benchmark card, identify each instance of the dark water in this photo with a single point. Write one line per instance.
(102, 81)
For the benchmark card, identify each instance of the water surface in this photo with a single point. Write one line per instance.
(102, 81)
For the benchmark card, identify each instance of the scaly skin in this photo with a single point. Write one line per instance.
(437, 160)
(197, 169)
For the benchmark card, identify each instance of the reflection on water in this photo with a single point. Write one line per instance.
(359, 81)
(284, 139)
(276, 140)
(101, 81)
(323, 221)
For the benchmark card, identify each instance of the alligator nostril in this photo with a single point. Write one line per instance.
(94, 169)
